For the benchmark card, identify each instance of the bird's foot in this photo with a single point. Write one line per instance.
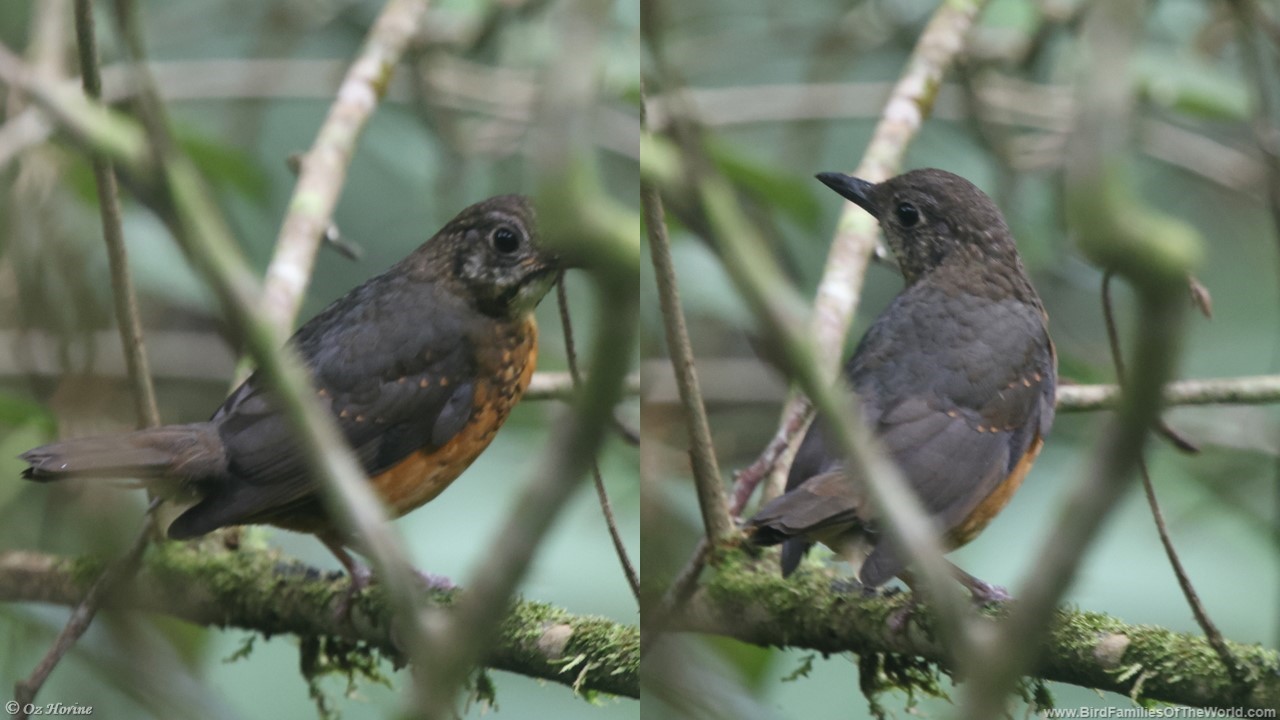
(898, 619)
(982, 592)
(361, 576)
(987, 594)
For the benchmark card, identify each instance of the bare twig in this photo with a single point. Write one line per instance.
(1248, 390)
(1003, 101)
(324, 167)
(126, 300)
(1211, 632)
(550, 385)
(606, 507)
(762, 387)
(717, 520)
(706, 471)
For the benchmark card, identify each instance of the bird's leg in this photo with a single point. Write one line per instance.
(358, 572)
(362, 576)
(899, 618)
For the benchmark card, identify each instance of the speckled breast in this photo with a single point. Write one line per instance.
(505, 367)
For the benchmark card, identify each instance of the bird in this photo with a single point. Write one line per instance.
(956, 378)
(419, 366)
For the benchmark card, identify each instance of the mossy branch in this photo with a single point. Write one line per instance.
(264, 592)
(754, 604)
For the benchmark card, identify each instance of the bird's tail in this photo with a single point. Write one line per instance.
(188, 451)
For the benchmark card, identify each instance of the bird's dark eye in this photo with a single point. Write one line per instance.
(907, 214)
(505, 240)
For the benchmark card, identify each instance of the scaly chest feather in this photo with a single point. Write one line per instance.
(505, 369)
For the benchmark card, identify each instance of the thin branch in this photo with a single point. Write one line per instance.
(258, 591)
(1247, 390)
(602, 495)
(706, 471)
(86, 608)
(126, 299)
(190, 356)
(716, 517)
(1211, 632)
(754, 383)
(324, 167)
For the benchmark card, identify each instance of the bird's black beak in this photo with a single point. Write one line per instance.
(852, 188)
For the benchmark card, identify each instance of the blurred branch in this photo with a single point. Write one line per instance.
(324, 166)
(501, 94)
(857, 232)
(258, 591)
(1211, 632)
(1155, 254)
(752, 382)
(1092, 650)
(186, 356)
(583, 225)
(597, 479)
(551, 385)
(1002, 101)
(1248, 390)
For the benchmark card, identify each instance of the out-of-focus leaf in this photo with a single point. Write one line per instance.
(38, 429)
(705, 287)
(1076, 370)
(225, 166)
(1185, 85)
(789, 194)
(752, 663)
(16, 411)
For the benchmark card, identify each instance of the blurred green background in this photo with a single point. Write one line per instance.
(248, 84)
(788, 90)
